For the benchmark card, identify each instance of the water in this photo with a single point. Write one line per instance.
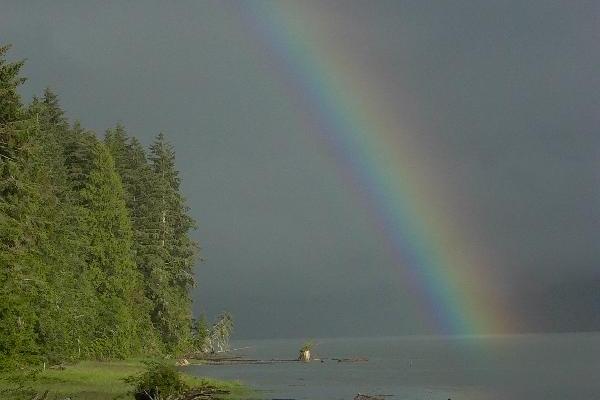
(532, 367)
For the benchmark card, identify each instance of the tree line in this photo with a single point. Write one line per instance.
(96, 259)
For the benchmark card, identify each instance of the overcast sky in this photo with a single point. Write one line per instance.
(507, 93)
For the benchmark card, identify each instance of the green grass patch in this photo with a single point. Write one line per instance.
(93, 380)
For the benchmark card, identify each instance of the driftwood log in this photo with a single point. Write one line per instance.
(40, 396)
(203, 393)
(237, 360)
(367, 397)
(183, 362)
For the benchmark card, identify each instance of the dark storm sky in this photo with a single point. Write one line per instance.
(508, 94)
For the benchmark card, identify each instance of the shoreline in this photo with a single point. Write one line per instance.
(95, 380)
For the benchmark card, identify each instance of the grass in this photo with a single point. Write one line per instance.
(93, 380)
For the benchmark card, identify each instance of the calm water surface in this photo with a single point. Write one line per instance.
(532, 367)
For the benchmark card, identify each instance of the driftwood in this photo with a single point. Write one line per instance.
(212, 356)
(205, 393)
(367, 397)
(183, 362)
(202, 393)
(242, 361)
(218, 357)
(238, 360)
(356, 359)
(40, 396)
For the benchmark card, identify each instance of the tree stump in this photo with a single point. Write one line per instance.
(304, 356)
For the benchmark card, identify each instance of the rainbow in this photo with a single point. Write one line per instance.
(454, 287)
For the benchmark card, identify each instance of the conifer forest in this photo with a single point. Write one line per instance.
(95, 249)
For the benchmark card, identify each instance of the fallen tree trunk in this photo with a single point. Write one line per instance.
(201, 394)
(367, 397)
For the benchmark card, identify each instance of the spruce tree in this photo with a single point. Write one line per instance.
(20, 201)
(57, 306)
(110, 267)
(95, 255)
(171, 268)
(10, 106)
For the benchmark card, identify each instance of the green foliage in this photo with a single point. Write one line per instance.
(110, 268)
(158, 381)
(93, 380)
(213, 339)
(10, 106)
(95, 255)
(16, 383)
(201, 335)
(307, 346)
(168, 257)
(22, 236)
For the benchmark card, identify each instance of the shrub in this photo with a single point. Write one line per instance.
(307, 346)
(158, 381)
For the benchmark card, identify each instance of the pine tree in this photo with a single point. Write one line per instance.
(57, 306)
(54, 114)
(20, 200)
(10, 106)
(110, 267)
(139, 181)
(171, 268)
(137, 178)
(95, 255)
(20, 231)
(116, 140)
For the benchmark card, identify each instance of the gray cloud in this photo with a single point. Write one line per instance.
(504, 94)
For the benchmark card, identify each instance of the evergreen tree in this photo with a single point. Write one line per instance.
(57, 306)
(53, 113)
(116, 140)
(164, 253)
(139, 180)
(20, 233)
(19, 230)
(10, 106)
(95, 255)
(109, 266)
(171, 267)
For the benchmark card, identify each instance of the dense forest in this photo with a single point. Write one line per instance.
(96, 259)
